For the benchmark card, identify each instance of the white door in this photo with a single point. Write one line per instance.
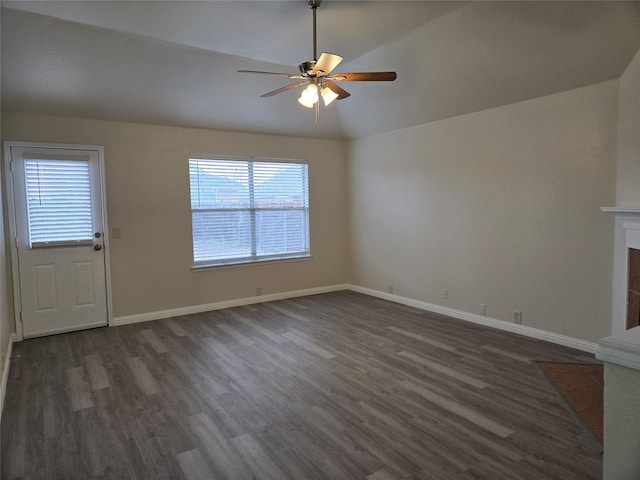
(59, 238)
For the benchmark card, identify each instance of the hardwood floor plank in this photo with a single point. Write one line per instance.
(79, 389)
(381, 475)
(223, 352)
(175, 327)
(459, 410)
(478, 441)
(271, 335)
(326, 387)
(552, 470)
(302, 341)
(223, 458)
(189, 369)
(443, 369)
(256, 457)
(97, 373)
(154, 340)
(301, 455)
(56, 411)
(143, 378)
(95, 449)
(505, 353)
(422, 338)
(20, 430)
(281, 308)
(113, 429)
(241, 338)
(194, 466)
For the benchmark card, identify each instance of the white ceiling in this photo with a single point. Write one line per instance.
(176, 62)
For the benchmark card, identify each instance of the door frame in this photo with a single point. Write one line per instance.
(11, 214)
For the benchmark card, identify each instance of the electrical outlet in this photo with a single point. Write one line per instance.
(390, 288)
(483, 309)
(517, 317)
(445, 294)
(258, 291)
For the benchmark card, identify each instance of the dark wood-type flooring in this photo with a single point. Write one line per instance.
(333, 386)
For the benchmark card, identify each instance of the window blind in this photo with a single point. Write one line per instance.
(58, 201)
(248, 210)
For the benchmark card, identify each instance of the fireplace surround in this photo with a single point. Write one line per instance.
(625, 304)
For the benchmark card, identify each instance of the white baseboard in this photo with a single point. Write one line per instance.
(5, 372)
(556, 338)
(239, 302)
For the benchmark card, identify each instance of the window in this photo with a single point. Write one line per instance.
(58, 202)
(248, 210)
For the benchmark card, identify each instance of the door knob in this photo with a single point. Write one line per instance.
(97, 247)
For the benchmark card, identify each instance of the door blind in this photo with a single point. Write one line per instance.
(58, 201)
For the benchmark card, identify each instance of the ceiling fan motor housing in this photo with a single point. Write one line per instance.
(306, 67)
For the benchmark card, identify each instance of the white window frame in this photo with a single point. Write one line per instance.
(253, 257)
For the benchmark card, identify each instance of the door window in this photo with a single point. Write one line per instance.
(58, 202)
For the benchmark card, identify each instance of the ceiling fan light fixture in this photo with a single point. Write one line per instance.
(317, 75)
(304, 102)
(328, 96)
(309, 96)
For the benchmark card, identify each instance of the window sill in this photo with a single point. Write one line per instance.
(244, 263)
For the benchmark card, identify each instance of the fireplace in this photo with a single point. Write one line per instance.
(626, 269)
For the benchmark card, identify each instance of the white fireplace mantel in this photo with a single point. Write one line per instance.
(621, 210)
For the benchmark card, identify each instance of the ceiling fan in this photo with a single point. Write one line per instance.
(317, 75)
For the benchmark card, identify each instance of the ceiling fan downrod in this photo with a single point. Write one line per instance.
(314, 4)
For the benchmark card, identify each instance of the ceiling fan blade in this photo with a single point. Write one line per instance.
(326, 63)
(290, 75)
(364, 77)
(342, 93)
(283, 89)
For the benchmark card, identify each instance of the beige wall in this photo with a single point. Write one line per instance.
(148, 198)
(628, 148)
(499, 207)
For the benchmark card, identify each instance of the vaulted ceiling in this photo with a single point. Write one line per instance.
(175, 63)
